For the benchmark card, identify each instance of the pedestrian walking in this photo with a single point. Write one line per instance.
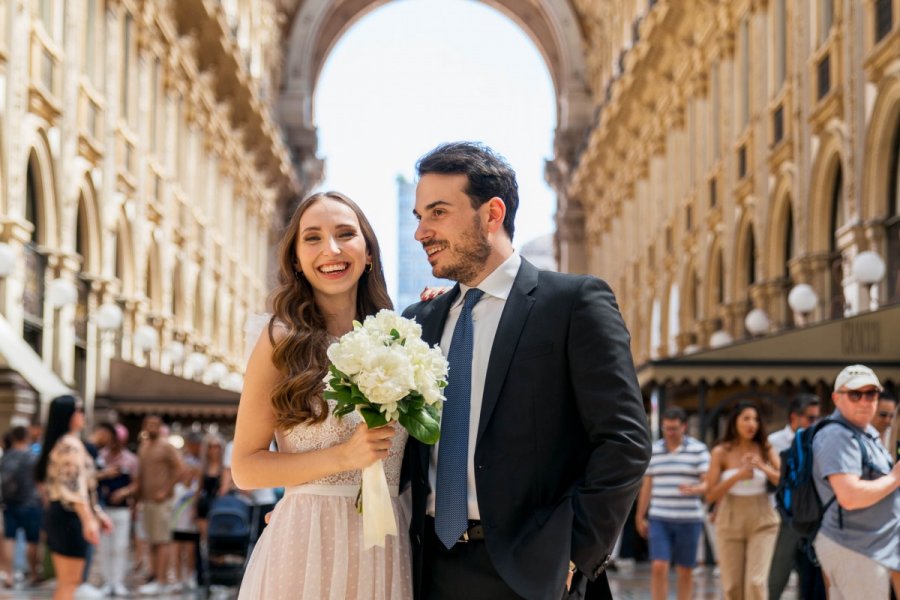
(746, 521)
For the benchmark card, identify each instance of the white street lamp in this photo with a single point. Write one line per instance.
(175, 351)
(233, 382)
(802, 298)
(720, 338)
(146, 338)
(61, 292)
(215, 372)
(108, 317)
(195, 363)
(757, 322)
(868, 268)
(7, 259)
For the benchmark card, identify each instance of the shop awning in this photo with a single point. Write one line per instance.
(141, 390)
(22, 358)
(814, 353)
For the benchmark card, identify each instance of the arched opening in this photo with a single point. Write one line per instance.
(83, 285)
(787, 250)
(178, 296)
(35, 263)
(892, 221)
(198, 310)
(837, 220)
(499, 93)
(674, 321)
(715, 287)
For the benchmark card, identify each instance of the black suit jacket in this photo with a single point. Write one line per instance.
(562, 440)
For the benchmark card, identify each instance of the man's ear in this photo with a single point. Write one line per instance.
(496, 213)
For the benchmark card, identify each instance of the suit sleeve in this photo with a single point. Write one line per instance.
(612, 413)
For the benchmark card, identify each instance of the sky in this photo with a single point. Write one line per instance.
(415, 73)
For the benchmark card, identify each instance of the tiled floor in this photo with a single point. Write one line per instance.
(630, 582)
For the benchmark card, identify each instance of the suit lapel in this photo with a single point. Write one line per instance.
(512, 321)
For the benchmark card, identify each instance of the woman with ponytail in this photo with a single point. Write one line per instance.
(73, 518)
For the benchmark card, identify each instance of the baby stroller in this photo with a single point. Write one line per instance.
(229, 529)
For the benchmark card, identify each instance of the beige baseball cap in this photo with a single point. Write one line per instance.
(855, 377)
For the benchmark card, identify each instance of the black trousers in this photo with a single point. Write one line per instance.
(466, 572)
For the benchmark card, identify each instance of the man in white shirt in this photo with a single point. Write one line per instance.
(789, 554)
(884, 417)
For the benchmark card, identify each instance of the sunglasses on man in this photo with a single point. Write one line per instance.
(885, 414)
(857, 395)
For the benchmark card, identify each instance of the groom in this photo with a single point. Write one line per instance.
(544, 436)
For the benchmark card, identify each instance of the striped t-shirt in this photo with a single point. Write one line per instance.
(670, 470)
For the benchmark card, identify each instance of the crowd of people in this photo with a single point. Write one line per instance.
(854, 551)
(532, 478)
(104, 520)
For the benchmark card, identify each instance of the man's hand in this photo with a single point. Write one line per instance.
(643, 529)
(106, 524)
(160, 496)
(692, 490)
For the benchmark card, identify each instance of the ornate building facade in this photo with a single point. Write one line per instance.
(738, 149)
(142, 176)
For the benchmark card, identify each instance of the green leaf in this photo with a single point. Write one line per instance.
(373, 417)
(434, 410)
(395, 334)
(341, 396)
(421, 425)
(343, 410)
(335, 372)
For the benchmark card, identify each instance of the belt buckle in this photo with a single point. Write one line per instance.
(464, 538)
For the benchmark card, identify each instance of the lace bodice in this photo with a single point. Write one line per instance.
(333, 431)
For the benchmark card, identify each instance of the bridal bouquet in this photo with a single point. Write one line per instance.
(384, 371)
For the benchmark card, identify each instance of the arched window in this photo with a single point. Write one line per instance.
(81, 307)
(892, 223)
(836, 272)
(35, 265)
(788, 253)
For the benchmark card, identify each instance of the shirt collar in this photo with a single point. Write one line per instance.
(869, 430)
(499, 283)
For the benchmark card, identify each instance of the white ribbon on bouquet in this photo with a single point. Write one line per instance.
(377, 509)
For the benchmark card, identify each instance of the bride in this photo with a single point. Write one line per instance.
(329, 274)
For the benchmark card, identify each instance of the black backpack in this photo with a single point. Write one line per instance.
(16, 483)
(796, 496)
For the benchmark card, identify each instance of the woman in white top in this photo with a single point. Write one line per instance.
(746, 523)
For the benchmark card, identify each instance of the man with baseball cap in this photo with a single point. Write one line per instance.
(858, 543)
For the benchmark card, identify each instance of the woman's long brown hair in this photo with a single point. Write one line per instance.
(300, 354)
(732, 437)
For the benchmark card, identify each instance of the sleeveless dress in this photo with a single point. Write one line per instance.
(313, 546)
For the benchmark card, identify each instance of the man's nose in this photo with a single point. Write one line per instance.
(421, 232)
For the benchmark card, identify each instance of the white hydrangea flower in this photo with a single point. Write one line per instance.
(388, 375)
(350, 354)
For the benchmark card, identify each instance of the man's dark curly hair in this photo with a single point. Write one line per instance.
(488, 173)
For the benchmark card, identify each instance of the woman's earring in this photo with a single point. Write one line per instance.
(369, 267)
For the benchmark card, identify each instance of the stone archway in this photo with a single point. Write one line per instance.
(313, 28)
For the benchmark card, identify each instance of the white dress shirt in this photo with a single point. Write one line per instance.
(485, 320)
(782, 439)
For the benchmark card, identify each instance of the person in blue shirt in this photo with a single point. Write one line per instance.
(858, 543)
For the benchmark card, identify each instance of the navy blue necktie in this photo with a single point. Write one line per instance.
(451, 514)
